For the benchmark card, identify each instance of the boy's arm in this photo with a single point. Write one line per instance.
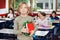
(15, 27)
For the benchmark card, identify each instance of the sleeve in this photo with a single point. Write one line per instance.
(57, 18)
(36, 22)
(35, 28)
(16, 27)
(8, 15)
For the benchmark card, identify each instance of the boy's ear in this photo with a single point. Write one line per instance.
(29, 10)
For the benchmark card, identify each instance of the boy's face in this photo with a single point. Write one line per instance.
(40, 15)
(53, 14)
(24, 9)
(10, 11)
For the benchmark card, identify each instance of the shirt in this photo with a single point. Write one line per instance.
(54, 18)
(42, 22)
(19, 21)
(10, 15)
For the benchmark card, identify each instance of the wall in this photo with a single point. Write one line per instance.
(3, 6)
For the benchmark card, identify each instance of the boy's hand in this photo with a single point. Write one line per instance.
(24, 30)
(32, 32)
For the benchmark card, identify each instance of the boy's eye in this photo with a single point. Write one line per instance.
(25, 7)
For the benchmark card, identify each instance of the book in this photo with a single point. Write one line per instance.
(30, 26)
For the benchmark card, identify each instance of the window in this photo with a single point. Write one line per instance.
(40, 5)
(46, 6)
(58, 5)
(52, 5)
(43, 5)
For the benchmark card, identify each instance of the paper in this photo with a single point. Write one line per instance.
(2, 21)
(41, 33)
(7, 18)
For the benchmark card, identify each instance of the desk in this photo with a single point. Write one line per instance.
(2, 24)
(57, 28)
(7, 33)
(5, 19)
(8, 22)
(56, 21)
(44, 32)
(46, 27)
(41, 33)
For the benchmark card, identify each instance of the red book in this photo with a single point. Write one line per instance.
(30, 27)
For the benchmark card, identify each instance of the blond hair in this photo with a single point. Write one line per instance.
(19, 6)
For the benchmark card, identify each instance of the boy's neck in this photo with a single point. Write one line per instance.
(23, 15)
